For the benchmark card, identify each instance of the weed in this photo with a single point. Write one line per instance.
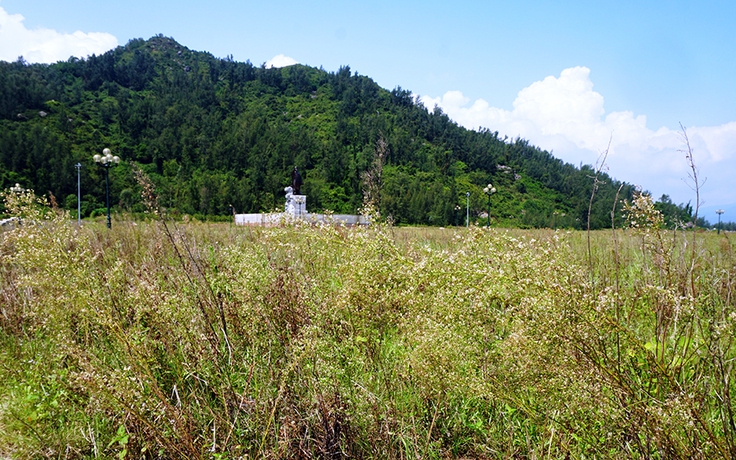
(192, 340)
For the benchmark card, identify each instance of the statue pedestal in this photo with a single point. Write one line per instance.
(297, 206)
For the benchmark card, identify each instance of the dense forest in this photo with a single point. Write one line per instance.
(218, 136)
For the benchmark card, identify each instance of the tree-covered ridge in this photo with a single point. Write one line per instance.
(214, 133)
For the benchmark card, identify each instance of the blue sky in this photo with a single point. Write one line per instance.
(569, 76)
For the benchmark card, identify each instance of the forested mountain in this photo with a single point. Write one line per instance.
(214, 133)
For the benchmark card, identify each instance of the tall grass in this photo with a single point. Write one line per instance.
(186, 340)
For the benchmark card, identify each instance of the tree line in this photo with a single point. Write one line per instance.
(218, 136)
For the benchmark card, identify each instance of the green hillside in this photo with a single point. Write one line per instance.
(214, 133)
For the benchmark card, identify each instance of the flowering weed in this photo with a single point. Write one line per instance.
(162, 339)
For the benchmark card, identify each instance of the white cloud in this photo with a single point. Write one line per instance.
(47, 45)
(280, 61)
(566, 116)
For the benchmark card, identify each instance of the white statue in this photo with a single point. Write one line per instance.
(290, 208)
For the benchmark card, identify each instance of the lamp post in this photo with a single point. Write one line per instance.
(106, 160)
(79, 194)
(17, 189)
(489, 190)
(719, 212)
(467, 209)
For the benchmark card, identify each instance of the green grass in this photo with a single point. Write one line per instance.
(205, 340)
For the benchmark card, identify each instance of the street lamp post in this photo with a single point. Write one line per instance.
(106, 160)
(489, 190)
(719, 212)
(467, 209)
(17, 189)
(79, 194)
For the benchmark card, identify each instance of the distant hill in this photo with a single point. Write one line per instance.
(214, 133)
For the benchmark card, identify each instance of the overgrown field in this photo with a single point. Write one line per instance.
(187, 340)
